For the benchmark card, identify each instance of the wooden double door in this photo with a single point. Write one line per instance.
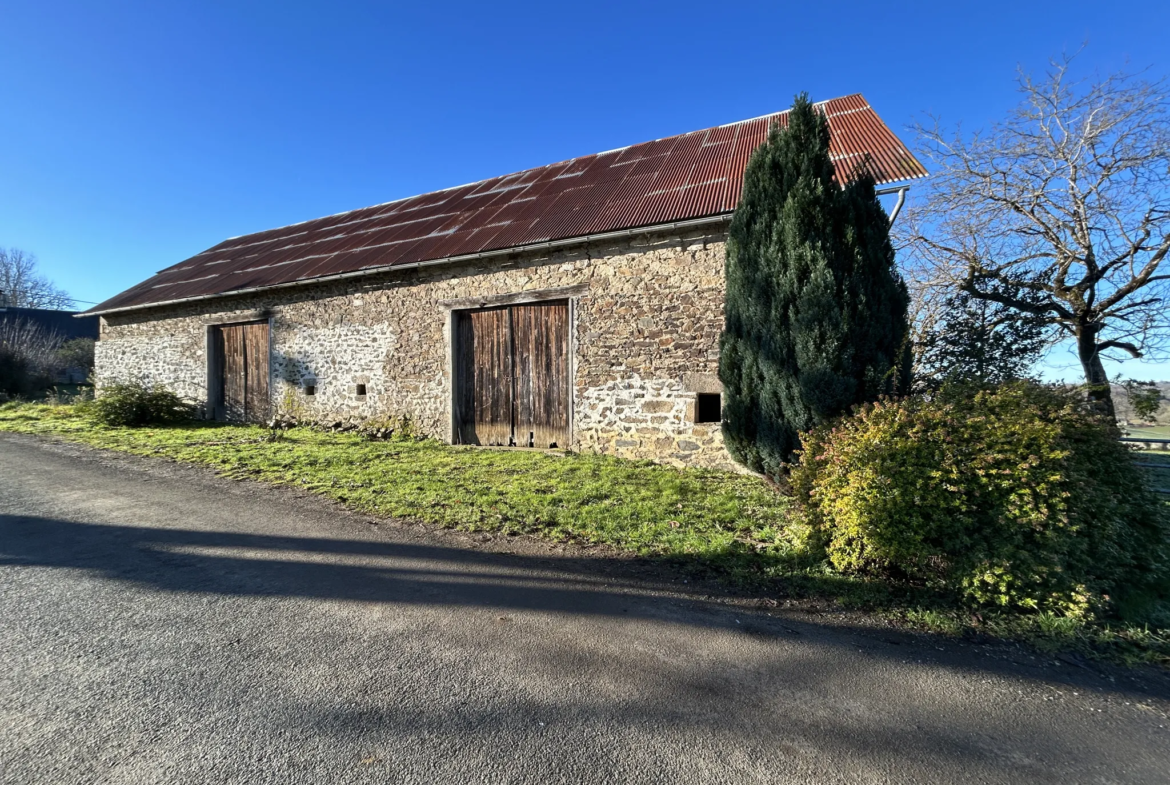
(239, 372)
(512, 375)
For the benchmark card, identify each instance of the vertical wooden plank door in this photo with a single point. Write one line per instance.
(540, 342)
(512, 380)
(485, 377)
(234, 368)
(241, 358)
(256, 402)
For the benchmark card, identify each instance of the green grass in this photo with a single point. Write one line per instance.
(733, 527)
(1149, 431)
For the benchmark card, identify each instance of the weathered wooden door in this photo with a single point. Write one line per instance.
(484, 387)
(512, 376)
(540, 341)
(240, 355)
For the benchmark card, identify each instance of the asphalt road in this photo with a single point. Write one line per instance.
(159, 624)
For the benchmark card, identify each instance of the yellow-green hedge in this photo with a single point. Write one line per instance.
(1015, 497)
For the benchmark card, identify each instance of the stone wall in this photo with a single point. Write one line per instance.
(175, 358)
(646, 340)
(334, 360)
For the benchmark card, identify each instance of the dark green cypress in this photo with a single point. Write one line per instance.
(815, 314)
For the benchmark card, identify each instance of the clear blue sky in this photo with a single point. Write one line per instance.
(136, 134)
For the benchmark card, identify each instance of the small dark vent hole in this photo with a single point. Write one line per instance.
(361, 389)
(310, 389)
(708, 407)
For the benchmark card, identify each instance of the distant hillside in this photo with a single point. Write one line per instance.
(1125, 413)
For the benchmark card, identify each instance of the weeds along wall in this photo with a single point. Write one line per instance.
(647, 315)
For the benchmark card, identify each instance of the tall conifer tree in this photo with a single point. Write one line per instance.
(815, 315)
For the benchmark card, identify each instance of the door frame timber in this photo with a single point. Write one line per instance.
(453, 309)
(214, 363)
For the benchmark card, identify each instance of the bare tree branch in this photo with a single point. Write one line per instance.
(1068, 197)
(23, 286)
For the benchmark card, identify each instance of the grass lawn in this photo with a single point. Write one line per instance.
(1149, 431)
(733, 527)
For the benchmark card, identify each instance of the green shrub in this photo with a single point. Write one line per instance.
(136, 404)
(77, 354)
(1015, 496)
(16, 380)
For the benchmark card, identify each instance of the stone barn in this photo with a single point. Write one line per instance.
(576, 305)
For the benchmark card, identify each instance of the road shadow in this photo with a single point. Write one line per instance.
(383, 572)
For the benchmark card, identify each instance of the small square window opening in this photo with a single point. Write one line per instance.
(310, 389)
(708, 407)
(361, 389)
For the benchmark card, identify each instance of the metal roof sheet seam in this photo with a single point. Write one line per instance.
(668, 181)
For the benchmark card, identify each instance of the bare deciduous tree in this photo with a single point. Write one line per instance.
(1067, 199)
(24, 286)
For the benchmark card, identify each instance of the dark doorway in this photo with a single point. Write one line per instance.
(512, 375)
(239, 372)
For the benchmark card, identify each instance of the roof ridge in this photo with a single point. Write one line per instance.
(786, 111)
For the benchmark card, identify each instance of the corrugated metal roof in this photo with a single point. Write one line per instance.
(680, 178)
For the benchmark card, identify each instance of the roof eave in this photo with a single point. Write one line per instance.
(369, 271)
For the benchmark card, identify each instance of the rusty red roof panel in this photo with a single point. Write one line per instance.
(695, 175)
